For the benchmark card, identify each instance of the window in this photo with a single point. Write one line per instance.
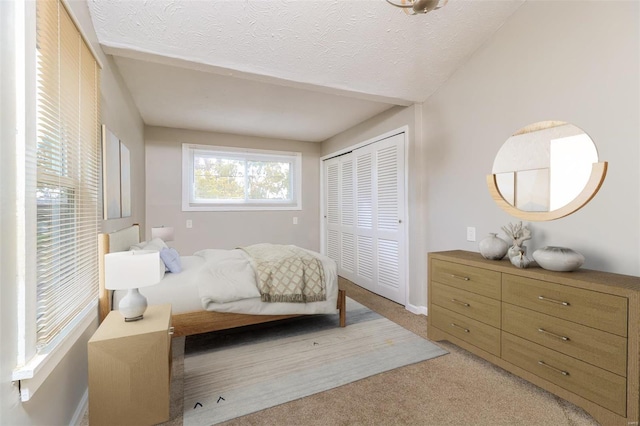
(61, 194)
(67, 171)
(222, 178)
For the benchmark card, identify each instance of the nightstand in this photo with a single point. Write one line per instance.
(130, 369)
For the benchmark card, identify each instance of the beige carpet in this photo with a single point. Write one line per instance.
(456, 389)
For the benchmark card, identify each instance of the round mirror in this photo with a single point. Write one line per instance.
(545, 171)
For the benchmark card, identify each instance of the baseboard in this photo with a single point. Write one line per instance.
(82, 408)
(418, 310)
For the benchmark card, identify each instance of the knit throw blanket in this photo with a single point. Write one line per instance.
(287, 273)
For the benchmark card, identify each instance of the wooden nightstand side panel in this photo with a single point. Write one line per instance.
(129, 371)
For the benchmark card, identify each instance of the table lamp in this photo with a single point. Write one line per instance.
(130, 270)
(165, 233)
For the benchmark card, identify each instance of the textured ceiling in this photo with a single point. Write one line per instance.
(320, 65)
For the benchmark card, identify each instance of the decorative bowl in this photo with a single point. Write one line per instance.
(560, 259)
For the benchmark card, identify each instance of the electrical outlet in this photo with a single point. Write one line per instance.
(471, 233)
(189, 223)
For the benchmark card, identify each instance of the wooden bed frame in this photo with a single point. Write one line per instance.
(192, 322)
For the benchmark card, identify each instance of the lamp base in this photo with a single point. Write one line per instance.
(133, 305)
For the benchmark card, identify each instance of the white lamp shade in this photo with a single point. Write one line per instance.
(132, 269)
(165, 233)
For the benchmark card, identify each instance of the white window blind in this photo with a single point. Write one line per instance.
(67, 188)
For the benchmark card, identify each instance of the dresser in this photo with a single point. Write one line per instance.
(130, 369)
(575, 334)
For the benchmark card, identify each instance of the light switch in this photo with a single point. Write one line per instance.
(471, 233)
(295, 220)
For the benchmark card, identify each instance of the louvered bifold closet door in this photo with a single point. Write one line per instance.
(348, 255)
(340, 214)
(380, 217)
(389, 208)
(332, 208)
(366, 264)
(365, 226)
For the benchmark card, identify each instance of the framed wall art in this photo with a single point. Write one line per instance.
(116, 176)
(125, 180)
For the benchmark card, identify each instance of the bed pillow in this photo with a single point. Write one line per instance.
(171, 259)
(155, 244)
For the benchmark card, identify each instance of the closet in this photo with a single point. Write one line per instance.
(364, 222)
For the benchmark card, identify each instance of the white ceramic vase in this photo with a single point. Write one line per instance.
(558, 258)
(493, 247)
(514, 251)
(520, 260)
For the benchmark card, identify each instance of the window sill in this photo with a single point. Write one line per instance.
(236, 208)
(33, 374)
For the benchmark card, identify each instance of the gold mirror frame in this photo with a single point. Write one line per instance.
(598, 173)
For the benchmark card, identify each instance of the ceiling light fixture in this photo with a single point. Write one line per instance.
(414, 7)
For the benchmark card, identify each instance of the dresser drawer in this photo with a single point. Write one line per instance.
(595, 384)
(471, 331)
(475, 280)
(598, 310)
(481, 308)
(596, 347)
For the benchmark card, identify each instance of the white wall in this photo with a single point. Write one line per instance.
(226, 230)
(58, 399)
(389, 120)
(562, 60)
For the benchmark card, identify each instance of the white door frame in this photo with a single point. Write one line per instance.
(323, 242)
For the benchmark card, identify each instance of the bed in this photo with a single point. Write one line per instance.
(188, 314)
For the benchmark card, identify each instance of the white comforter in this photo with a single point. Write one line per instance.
(231, 282)
(229, 276)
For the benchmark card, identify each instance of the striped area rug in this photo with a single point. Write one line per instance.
(232, 373)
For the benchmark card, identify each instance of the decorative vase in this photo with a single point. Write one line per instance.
(493, 247)
(520, 261)
(558, 258)
(515, 250)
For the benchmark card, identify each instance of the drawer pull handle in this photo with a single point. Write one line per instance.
(559, 302)
(460, 303)
(557, 336)
(466, 330)
(557, 370)
(460, 278)
(171, 330)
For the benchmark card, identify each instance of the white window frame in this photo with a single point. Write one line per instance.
(189, 204)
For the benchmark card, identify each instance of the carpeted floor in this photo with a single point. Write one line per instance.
(456, 389)
(236, 372)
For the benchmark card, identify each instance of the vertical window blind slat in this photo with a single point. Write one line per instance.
(68, 149)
